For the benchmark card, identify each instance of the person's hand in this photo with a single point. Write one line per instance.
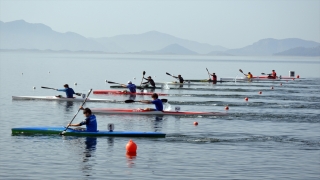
(81, 108)
(68, 125)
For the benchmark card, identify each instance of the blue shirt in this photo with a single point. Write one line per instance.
(91, 123)
(69, 92)
(158, 104)
(132, 88)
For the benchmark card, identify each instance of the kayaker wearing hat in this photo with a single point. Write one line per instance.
(157, 102)
(90, 121)
(69, 91)
(132, 87)
(179, 77)
(249, 75)
(150, 80)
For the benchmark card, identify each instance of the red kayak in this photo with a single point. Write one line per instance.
(145, 112)
(124, 93)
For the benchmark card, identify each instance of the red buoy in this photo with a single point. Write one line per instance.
(298, 76)
(226, 108)
(246, 98)
(195, 123)
(271, 87)
(280, 84)
(260, 92)
(131, 147)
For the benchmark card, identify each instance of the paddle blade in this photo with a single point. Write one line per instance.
(168, 74)
(164, 100)
(263, 73)
(144, 73)
(110, 82)
(241, 70)
(129, 101)
(207, 70)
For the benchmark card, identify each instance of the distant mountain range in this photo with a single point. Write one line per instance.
(19, 34)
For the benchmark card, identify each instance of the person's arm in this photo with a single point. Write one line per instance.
(146, 101)
(145, 82)
(79, 124)
(145, 78)
(123, 85)
(175, 77)
(63, 90)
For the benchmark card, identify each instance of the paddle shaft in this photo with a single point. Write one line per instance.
(208, 73)
(78, 111)
(48, 88)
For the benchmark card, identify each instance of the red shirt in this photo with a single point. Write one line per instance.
(214, 77)
(274, 74)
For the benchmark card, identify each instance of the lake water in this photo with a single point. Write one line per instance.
(275, 135)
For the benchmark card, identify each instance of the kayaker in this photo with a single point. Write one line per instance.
(214, 77)
(157, 102)
(69, 91)
(273, 74)
(179, 77)
(249, 75)
(132, 87)
(149, 80)
(90, 121)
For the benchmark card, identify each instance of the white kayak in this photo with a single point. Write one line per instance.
(244, 79)
(177, 83)
(54, 98)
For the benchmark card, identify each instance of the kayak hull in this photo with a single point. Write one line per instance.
(124, 93)
(71, 132)
(54, 98)
(144, 112)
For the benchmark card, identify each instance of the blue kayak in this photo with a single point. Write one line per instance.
(72, 132)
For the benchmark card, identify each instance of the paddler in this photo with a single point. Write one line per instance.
(69, 91)
(157, 102)
(149, 80)
(132, 87)
(214, 77)
(179, 77)
(249, 75)
(90, 121)
(273, 74)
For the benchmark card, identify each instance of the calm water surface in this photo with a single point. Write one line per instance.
(274, 135)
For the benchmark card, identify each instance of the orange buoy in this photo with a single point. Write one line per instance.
(298, 76)
(195, 123)
(226, 108)
(260, 92)
(246, 98)
(271, 87)
(131, 147)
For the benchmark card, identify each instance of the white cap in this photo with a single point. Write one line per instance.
(129, 82)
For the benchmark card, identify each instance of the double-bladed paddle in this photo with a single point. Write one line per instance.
(77, 112)
(78, 94)
(110, 82)
(241, 71)
(132, 101)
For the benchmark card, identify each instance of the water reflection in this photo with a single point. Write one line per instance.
(157, 123)
(132, 97)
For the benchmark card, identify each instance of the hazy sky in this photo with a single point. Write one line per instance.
(228, 23)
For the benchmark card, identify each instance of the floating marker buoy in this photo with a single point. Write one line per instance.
(75, 84)
(134, 78)
(246, 98)
(280, 84)
(260, 92)
(22, 73)
(131, 147)
(271, 87)
(34, 87)
(49, 72)
(195, 123)
(298, 76)
(226, 108)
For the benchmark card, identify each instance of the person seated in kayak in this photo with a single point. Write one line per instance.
(214, 77)
(179, 77)
(132, 87)
(273, 75)
(157, 102)
(69, 91)
(249, 75)
(149, 80)
(90, 121)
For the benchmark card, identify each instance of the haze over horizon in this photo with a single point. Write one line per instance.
(231, 24)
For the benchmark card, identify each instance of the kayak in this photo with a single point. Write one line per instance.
(138, 87)
(255, 78)
(177, 83)
(244, 79)
(54, 98)
(144, 112)
(124, 93)
(71, 132)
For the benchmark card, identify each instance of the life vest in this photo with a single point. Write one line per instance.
(214, 78)
(250, 76)
(274, 75)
